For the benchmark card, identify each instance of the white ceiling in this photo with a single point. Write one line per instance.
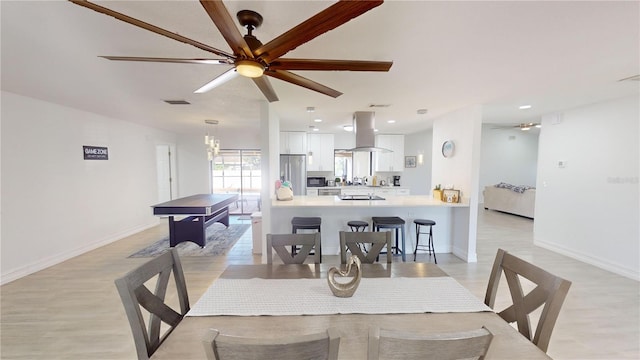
(447, 55)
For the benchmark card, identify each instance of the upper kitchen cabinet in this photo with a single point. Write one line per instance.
(320, 154)
(293, 142)
(392, 161)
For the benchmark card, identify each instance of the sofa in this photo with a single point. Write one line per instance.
(517, 200)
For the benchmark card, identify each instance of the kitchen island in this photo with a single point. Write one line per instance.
(450, 231)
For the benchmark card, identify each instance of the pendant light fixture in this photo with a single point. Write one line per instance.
(213, 144)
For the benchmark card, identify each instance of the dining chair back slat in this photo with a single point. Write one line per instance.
(135, 294)
(550, 291)
(323, 345)
(404, 345)
(354, 242)
(282, 244)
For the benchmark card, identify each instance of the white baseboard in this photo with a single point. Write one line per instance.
(464, 255)
(66, 255)
(585, 258)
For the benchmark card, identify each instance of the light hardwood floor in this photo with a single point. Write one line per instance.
(72, 310)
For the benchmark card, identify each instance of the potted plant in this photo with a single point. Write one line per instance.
(437, 192)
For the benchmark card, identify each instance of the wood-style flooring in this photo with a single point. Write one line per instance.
(73, 311)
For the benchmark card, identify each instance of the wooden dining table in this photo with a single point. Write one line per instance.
(185, 341)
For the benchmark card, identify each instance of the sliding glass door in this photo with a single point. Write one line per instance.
(238, 171)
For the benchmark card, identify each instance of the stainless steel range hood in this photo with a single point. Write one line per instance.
(363, 125)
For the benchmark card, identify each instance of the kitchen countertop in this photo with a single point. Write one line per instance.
(356, 187)
(390, 201)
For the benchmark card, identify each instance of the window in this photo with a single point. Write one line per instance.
(238, 171)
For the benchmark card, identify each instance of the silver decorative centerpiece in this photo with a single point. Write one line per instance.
(345, 289)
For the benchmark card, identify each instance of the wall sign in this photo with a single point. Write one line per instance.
(95, 152)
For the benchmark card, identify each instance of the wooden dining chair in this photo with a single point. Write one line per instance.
(550, 291)
(323, 345)
(135, 294)
(282, 244)
(355, 241)
(404, 345)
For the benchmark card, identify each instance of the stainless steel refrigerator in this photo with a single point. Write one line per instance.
(294, 168)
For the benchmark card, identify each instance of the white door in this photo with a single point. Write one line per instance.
(164, 173)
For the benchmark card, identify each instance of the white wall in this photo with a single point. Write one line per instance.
(55, 205)
(462, 171)
(192, 160)
(589, 209)
(270, 167)
(418, 179)
(508, 155)
(236, 138)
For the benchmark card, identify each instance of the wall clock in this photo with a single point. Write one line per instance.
(447, 148)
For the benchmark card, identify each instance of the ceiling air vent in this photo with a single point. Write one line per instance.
(379, 105)
(631, 78)
(177, 102)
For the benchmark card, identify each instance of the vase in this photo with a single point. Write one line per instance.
(349, 288)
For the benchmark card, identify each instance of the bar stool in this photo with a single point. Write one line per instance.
(356, 225)
(305, 223)
(391, 222)
(430, 249)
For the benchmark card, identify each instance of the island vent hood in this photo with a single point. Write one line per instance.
(364, 125)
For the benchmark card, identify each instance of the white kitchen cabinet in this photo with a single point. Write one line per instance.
(293, 142)
(380, 191)
(356, 191)
(312, 192)
(320, 152)
(384, 192)
(361, 164)
(392, 161)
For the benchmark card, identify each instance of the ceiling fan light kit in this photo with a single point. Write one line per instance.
(249, 68)
(253, 59)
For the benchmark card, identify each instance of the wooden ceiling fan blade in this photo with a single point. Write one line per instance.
(227, 26)
(330, 65)
(302, 81)
(326, 20)
(226, 76)
(152, 28)
(170, 60)
(264, 85)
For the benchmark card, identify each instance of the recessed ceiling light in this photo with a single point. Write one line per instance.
(375, 130)
(317, 120)
(524, 107)
(391, 121)
(348, 128)
(316, 129)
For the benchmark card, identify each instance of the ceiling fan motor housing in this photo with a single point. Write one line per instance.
(249, 19)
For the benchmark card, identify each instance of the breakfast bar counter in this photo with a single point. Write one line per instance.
(450, 229)
(389, 201)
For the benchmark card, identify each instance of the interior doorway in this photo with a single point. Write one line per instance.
(238, 171)
(165, 172)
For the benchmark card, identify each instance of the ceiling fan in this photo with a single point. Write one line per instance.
(253, 59)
